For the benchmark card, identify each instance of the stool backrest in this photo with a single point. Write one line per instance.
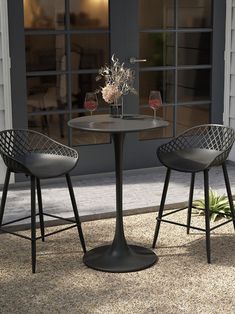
(16, 143)
(207, 136)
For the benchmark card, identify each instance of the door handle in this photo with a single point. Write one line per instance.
(133, 60)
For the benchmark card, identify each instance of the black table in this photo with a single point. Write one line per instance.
(119, 256)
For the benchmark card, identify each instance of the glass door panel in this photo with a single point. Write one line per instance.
(194, 85)
(189, 116)
(157, 48)
(194, 13)
(156, 14)
(194, 48)
(67, 42)
(44, 52)
(89, 14)
(178, 49)
(40, 14)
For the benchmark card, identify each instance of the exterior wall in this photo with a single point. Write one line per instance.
(229, 92)
(5, 90)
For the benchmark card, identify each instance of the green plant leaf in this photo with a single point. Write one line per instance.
(218, 204)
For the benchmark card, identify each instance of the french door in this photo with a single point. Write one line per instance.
(57, 47)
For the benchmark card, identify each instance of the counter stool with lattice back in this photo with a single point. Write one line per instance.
(197, 149)
(39, 157)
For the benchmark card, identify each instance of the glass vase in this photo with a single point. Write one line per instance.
(116, 109)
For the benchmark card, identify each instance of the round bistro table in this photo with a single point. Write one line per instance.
(118, 257)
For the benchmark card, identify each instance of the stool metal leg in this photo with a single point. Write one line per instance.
(40, 209)
(207, 214)
(75, 210)
(229, 193)
(165, 188)
(4, 194)
(190, 202)
(33, 223)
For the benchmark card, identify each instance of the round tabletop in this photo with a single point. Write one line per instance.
(107, 124)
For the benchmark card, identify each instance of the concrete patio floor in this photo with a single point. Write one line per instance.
(95, 194)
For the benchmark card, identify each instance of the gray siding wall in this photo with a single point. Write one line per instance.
(229, 101)
(5, 91)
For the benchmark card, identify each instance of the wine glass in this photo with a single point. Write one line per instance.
(155, 101)
(91, 102)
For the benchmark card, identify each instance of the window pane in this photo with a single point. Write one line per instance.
(157, 48)
(189, 116)
(89, 14)
(162, 81)
(46, 93)
(53, 125)
(195, 13)
(194, 48)
(165, 112)
(44, 52)
(40, 14)
(92, 50)
(85, 138)
(81, 84)
(194, 85)
(156, 14)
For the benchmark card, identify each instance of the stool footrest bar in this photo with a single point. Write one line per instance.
(59, 217)
(57, 231)
(182, 225)
(14, 233)
(174, 211)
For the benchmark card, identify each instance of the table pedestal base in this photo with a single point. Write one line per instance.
(134, 258)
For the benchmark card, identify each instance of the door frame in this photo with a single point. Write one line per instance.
(104, 161)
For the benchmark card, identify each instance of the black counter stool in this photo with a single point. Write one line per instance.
(39, 157)
(197, 149)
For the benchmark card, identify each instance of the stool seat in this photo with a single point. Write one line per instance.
(189, 159)
(44, 166)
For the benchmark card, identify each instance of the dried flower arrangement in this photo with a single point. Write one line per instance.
(118, 81)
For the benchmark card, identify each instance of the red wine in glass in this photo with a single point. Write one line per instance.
(155, 101)
(91, 102)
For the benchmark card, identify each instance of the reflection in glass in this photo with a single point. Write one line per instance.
(195, 13)
(46, 93)
(165, 112)
(194, 85)
(194, 48)
(53, 125)
(87, 138)
(89, 14)
(44, 52)
(157, 48)
(155, 101)
(159, 80)
(93, 50)
(156, 14)
(189, 116)
(91, 102)
(39, 14)
(82, 84)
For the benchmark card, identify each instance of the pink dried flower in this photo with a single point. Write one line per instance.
(110, 93)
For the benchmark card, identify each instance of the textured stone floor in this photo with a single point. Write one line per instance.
(95, 194)
(181, 282)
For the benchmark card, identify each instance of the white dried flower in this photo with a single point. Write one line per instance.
(118, 80)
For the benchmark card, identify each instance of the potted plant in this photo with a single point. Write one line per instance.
(218, 204)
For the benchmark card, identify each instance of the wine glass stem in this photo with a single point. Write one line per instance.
(91, 112)
(154, 115)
